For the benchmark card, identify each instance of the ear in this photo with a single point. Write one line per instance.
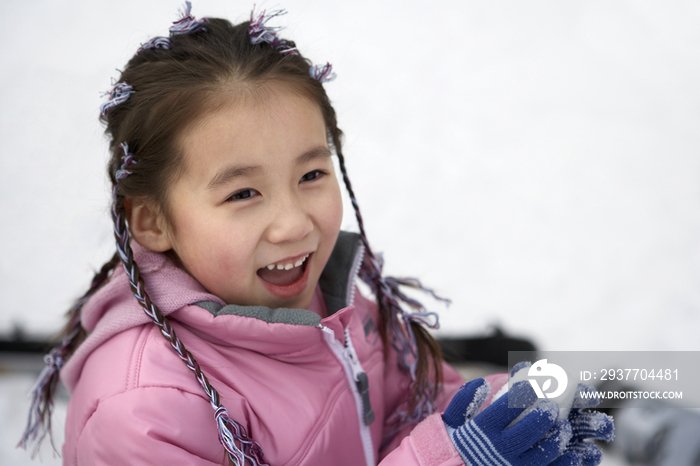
(148, 227)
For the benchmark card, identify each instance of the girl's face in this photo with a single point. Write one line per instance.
(257, 211)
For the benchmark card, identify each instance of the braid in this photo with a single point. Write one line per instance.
(42, 394)
(232, 435)
(419, 353)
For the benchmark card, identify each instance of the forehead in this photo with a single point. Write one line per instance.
(259, 127)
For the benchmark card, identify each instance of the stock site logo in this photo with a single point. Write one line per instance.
(542, 369)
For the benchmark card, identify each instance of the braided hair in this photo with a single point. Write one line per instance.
(168, 84)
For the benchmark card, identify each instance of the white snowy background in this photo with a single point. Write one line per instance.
(537, 162)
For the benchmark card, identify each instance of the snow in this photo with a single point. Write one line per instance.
(535, 162)
(480, 396)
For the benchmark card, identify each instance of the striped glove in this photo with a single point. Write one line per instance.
(585, 425)
(588, 425)
(485, 440)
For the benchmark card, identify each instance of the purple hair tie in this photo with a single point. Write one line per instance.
(260, 33)
(41, 408)
(155, 43)
(187, 24)
(322, 73)
(127, 161)
(36, 429)
(119, 94)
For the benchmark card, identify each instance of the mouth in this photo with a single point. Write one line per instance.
(286, 278)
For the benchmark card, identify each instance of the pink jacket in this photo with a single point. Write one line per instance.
(284, 374)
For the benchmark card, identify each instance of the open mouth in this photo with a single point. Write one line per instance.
(284, 273)
(288, 278)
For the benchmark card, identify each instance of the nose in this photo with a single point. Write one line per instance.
(290, 221)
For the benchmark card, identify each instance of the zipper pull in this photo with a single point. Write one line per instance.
(363, 387)
(361, 382)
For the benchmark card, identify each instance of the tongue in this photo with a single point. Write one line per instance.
(280, 277)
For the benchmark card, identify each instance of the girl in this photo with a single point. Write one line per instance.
(226, 214)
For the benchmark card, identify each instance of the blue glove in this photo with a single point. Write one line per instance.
(466, 403)
(584, 426)
(588, 426)
(535, 440)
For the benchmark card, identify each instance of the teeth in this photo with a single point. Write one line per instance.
(288, 266)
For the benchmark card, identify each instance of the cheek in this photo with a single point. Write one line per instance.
(206, 245)
(332, 214)
(219, 257)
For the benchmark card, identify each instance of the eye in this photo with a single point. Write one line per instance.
(242, 195)
(312, 175)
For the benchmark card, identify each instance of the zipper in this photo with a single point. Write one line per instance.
(359, 383)
(361, 380)
(354, 272)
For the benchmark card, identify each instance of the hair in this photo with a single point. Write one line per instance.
(171, 84)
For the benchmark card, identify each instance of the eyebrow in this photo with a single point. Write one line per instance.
(235, 171)
(320, 152)
(231, 172)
